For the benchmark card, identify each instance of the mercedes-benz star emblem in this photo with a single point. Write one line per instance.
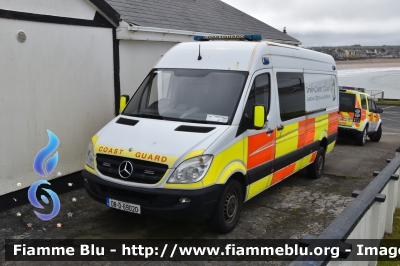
(125, 169)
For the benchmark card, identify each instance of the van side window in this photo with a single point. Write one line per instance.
(363, 102)
(372, 106)
(291, 92)
(259, 94)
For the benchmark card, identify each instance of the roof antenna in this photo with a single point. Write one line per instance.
(199, 58)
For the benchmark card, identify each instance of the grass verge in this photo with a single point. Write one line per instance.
(395, 235)
(389, 102)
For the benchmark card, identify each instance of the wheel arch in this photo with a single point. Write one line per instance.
(244, 182)
(365, 125)
(324, 143)
(235, 170)
(323, 140)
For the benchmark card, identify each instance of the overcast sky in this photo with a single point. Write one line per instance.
(324, 23)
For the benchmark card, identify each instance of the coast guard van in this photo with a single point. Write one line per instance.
(214, 124)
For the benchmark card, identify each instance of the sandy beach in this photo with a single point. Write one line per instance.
(368, 63)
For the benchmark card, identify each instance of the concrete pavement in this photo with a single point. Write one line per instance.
(291, 209)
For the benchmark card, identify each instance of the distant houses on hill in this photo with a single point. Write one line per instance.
(359, 52)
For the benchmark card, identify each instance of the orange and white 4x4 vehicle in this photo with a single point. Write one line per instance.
(358, 116)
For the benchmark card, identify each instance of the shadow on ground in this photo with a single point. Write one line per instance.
(291, 209)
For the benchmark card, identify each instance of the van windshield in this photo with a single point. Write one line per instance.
(189, 95)
(347, 102)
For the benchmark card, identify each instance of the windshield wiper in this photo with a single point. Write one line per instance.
(155, 116)
(192, 120)
(200, 121)
(148, 116)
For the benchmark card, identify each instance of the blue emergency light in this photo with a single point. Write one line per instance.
(253, 37)
(247, 37)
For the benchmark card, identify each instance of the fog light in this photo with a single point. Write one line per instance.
(184, 200)
(86, 181)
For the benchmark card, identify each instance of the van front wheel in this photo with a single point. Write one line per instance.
(228, 208)
(315, 169)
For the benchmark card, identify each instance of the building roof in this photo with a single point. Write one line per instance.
(209, 16)
(107, 10)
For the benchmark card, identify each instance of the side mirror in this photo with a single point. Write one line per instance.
(259, 116)
(379, 110)
(123, 100)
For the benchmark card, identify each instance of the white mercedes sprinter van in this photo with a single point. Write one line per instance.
(214, 124)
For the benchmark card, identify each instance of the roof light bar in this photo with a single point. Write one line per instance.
(248, 37)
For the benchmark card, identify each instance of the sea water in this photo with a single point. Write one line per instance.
(373, 79)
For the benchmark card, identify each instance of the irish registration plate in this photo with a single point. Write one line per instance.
(124, 206)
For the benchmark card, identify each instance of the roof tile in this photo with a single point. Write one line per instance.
(211, 16)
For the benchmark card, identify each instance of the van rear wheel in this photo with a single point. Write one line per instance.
(361, 140)
(315, 169)
(228, 208)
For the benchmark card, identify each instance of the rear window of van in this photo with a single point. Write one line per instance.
(347, 102)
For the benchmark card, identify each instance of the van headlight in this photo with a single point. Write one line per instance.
(192, 170)
(90, 156)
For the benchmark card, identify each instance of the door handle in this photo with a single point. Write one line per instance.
(280, 128)
(269, 131)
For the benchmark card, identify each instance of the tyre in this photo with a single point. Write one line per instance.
(315, 169)
(377, 136)
(228, 208)
(361, 140)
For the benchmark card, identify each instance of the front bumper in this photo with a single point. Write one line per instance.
(157, 201)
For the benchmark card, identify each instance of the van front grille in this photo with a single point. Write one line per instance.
(126, 195)
(142, 171)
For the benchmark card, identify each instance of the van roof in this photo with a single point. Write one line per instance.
(241, 56)
(354, 92)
